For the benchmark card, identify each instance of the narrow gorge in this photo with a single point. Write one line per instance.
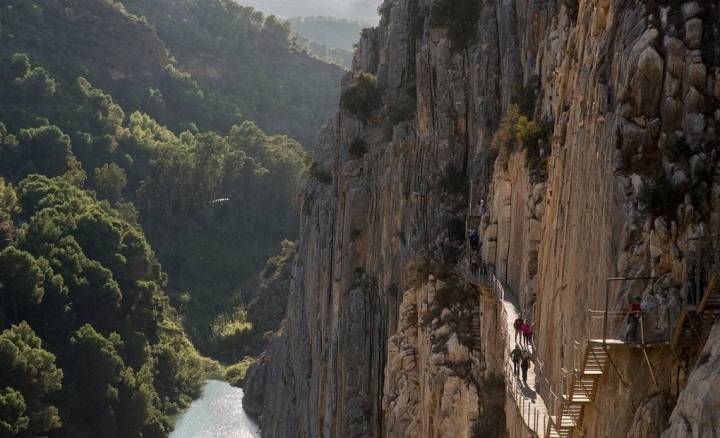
(580, 140)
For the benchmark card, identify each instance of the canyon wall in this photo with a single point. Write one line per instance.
(384, 337)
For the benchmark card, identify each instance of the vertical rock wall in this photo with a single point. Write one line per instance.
(382, 338)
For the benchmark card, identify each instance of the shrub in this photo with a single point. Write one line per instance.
(454, 181)
(322, 175)
(658, 197)
(460, 17)
(362, 97)
(358, 148)
(526, 97)
(235, 374)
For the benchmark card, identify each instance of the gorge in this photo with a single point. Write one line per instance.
(589, 130)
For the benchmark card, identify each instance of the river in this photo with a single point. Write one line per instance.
(218, 413)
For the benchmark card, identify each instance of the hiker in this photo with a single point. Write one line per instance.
(526, 332)
(474, 265)
(529, 334)
(633, 319)
(479, 208)
(516, 356)
(474, 239)
(518, 324)
(483, 268)
(525, 364)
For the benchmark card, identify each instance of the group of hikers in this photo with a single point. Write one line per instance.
(523, 331)
(520, 356)
(521, 361)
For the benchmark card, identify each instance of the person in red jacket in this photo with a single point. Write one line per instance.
(633, 319)
(526, 332)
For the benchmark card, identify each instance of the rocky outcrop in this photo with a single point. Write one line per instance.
(617, 180)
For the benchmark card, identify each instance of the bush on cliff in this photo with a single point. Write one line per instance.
(358, 148)
(362, 98)
(235, 374)
(658, 197)
(460, 17)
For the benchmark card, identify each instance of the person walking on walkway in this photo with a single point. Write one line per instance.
(525, 364)
(474, 264)
(516, 355)
(633, 319)
(530, 334)
(526, 332)
(518, 324)
(474, 239)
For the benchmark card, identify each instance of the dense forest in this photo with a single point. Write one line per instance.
(143, 209)
(205, 64)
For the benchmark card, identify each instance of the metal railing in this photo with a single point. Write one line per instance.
(535, 419)
(642, 328)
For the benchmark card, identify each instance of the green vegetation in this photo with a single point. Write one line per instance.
(129, 137)
(207, 64)
(358, 148)
(460, 17)
(214, 206)
(323, 176)
(235, 374)
(362, 97)
(659, 198)
(517, 130)
(90, 345)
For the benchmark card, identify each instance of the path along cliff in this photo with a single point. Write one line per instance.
(589, 129)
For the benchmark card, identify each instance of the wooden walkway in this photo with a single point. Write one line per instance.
(530, 404)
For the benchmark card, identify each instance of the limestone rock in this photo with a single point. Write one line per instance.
(645, 91)
(693, 33)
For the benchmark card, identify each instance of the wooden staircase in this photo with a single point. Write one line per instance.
(695, 322)
(581, 388)
(475, 330)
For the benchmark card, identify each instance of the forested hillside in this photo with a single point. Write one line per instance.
(120, 120)
(205, 64)
(89, 345)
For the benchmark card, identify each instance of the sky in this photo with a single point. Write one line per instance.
(365, 10)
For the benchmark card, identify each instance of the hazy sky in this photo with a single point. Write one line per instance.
(356, 9)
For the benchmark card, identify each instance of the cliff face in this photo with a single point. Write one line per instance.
(382, 336)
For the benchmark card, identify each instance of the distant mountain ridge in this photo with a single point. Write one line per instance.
(242, 64)
(352, 9)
